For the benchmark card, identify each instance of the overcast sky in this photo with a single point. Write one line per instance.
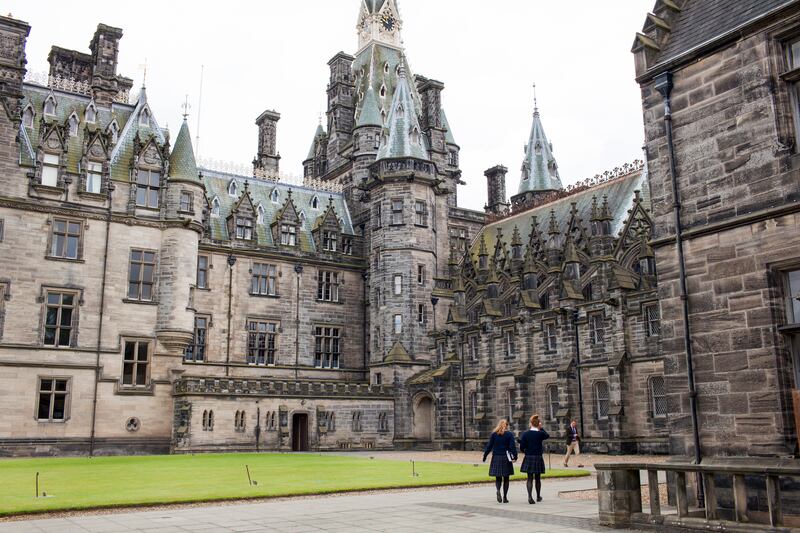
(273, 55)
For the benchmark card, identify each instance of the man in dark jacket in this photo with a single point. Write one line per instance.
(573, 443)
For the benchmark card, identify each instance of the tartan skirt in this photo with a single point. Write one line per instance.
(501, 466)
(533, 464)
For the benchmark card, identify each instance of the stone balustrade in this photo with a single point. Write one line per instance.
(726, 490)
(277, 387)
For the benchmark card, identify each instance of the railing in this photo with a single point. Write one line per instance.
(242, 170)
(620, 496)
(74, 86)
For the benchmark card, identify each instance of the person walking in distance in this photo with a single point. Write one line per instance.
(573, 443)
(533, 465)
(504, 452)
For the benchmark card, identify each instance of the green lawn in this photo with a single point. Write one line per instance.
(81, 483)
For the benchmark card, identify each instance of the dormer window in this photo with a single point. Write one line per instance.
(244, 228)
(50, 163)
(50, 106)
(399, 111)
(315, 203)
(288, 235)
(383, 91)
(73, 125)
(383, 119)
(27, 117)
(260, 212)
(113, 129)
(275, 196)
(94, 176)
(386, 67)
(233, 189)
(302, 218)
(91, 114)
(215, 207)
(329, 241)
(148, 188)
(144, 117)
(415, 135)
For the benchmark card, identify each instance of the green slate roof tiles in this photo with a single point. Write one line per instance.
(182, 163)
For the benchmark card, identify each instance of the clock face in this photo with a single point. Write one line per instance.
(388, 21)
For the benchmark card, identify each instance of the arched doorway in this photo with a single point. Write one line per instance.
(423, 418)
(300, 432)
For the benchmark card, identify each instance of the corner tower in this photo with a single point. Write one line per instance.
(539, 168)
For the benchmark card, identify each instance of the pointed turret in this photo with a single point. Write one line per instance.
(539, 168)
(370, 114)
(182, 164)
(448, 137)
(402, 136)
(316, 163)
(312, 152)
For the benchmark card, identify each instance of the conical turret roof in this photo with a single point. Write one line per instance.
(539, 168)
(402, 136)
(182, 163)
(370, 112)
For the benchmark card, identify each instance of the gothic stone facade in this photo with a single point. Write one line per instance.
(734, 113)
(148, 305)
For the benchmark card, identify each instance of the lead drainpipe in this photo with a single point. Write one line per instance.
(578, 366)
(663, 84)
(299, 271)
(231, 262)
(100, 323)
(365, 331)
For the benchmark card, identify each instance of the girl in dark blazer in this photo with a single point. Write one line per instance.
(533, 465)
(502, 446)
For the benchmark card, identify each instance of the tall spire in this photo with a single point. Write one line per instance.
(539, 168)
(402, 135)
(182, 164)
(370, 114)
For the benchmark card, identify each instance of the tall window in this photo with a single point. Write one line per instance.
(398, 324)
(90, 115)
(658, 396)
(474, 349)
(552, 401)
(347, 245)
(265, 280)
(601, 399)
(652, 320)
(50, 106)
(73, 126)
(196, 351)
(202, 272)
(422, 314)
(792, 294)
(288, 235)
(208, 420)
(473, 404)
(94, 177)
(326, 343)
(135, 363)
(397, 212)
(421, 274)
(261, 342)
(596, 329)
(376, 216)
(441, 350)
(510, 405)
(458, 239)
(244, 228)
(329, 241)
(510, 343)
(792, 75)
(452, 159)
(330, 421)
(50, 164)
(327, 286)
(357, 421)
(186, 202)
(420, 213)
(66, 239)
(59, 315)
(27, 117)
(383, 422)
(53, 399)
(141, 275)
(378, 378)
(398, 284)
(148, 185)
(550, 338)
(240, 421)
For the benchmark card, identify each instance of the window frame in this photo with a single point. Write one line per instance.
(202, 274)
(264, 276)
(550, 334)
(66, 393)
(654, 399)
(141, 281)
(422, 314)
(147, 187)
(397, 324)
(330, 241)
(602, 405)
(397, 284)
(327, 347)
(288, 234)
(397, 218)
(651, 320)
(65, 236)
(73, 318)
(553, 401)
(243, 228)
(136, 362)
(473, 344)
(421, 275)
(509, 343)
(421, 213)
(94, 175)
(328, 285)
(50, 169)
(270, 345)
(198, 355)
(596, 328)
(186, 206)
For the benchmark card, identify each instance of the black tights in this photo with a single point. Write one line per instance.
(505, 481)
(538, 478)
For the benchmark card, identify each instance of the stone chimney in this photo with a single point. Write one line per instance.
(497, 202)
(267, 158)
(13, 34)
(105, 51)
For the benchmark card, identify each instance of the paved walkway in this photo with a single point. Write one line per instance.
(429, 510)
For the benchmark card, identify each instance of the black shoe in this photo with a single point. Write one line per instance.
(531, 500)
(505, 500)
(538, 498)
(499, 498)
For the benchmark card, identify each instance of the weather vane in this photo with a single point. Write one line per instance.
(186, 106)
(535, 101)
(143, 67)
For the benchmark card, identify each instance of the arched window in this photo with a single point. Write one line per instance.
(552, 401)
(356, 420)
(113, 129)
(27, 117)
(331, 421)
(205, 420)
(302, 218)
(90, 115)
(601, 399)
(215, 207)
(383, 91)
(233, 189)
(260, 212)
(50, 106)
(658, 396)
(386, 67)
(587, 292)
(275, 196)
(73, 125)
(399, 111)
(211, 420)
(144, 117)
(415, 135)
(315, 203)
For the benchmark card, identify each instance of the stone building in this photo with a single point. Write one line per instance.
(148, 304)
(719, 95)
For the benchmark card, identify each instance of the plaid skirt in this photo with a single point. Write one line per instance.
(501, 466)
(533, 464)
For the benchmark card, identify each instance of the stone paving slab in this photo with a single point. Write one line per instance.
(432, 510)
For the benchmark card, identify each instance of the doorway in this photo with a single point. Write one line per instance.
(423, 419)
(300, 432)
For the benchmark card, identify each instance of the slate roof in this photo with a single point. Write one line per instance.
(539, 168)
(217, 186)
(702, 20)
(182, 163)
(620, 192)
(402, 136)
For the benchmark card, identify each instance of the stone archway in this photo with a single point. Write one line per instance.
(423, 418)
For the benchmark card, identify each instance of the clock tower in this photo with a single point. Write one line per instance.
(379, 21)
